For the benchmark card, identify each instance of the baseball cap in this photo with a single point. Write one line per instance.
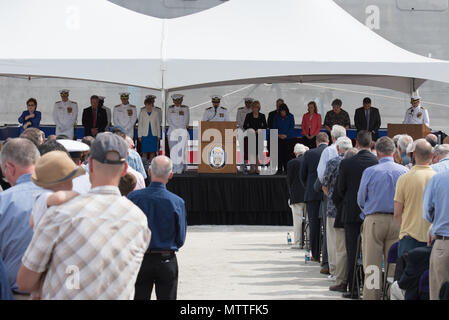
(109, 148)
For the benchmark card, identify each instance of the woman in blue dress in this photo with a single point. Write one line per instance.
(149, 129)
(30, 118)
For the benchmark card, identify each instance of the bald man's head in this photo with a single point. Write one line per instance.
(423, 151)
(161, 169)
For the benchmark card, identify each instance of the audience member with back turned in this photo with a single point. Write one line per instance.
(441, 158)
(17, 160)
(107, 231)
(166, 215)
(436, 211)
(408, 199)
(296, 191)
(380, 230)
(347, 185)
(308, 176)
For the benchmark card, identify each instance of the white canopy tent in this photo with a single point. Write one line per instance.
(238, 42)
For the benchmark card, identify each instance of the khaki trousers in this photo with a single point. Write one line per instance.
(298, 212)
(439, 267)
(379, 233)
(341, 259)
(331, 245)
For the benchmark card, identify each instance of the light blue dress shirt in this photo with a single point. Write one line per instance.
(327, 154)
(16, 204)
(435, 206)
(441, 166)
(378, 186)
(135, 162)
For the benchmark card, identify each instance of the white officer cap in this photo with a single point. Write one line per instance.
(216, 97)
(124, 94)
(415, 96)
(101, 97)
(248, 99)
(73, 145)
(300, 148)
(177, 96)
(150, 96)
(62, 91)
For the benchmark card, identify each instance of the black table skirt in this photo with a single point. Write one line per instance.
(225, 199)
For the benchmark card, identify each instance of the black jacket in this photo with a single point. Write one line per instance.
(418, 261)
(348, 183)
(309, 173)
(374, 120)
(295, 187)
(102, 120)
(270, 119)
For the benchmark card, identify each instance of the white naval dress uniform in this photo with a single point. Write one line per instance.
(178, 119)
(417, 115)
(65, 115)
(241, 115)
(125, 116)
(219, 114)
(241, 133)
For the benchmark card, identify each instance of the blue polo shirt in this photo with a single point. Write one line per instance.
(166, 215)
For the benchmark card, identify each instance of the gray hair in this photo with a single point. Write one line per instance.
(396, 139)
(385, 146)
(350, 153)
(344, 144)
(338, 131)
(19, 151)
(442, 150)
(160, 168)
(300, 148)
(423, 150)
(404, 142)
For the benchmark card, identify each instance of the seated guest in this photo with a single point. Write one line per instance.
(408, 199)
(35, 135)
(114, 252)
(403, 143)
(17, 160)
(432, 139)
(312, 198)
(166, 215)
(336, 116)
(284, 122)
(376, 200)
(441, 158)
(127, 184)
(368, 118)
(311, 125)
(436, 211)
(329, 179)
(255, 121)
(30, 118)
(95, 118)
(345, 193)
(296, 192)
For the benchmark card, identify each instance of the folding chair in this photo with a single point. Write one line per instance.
(358, 275)
(305, 233)
(423, 286)
(391, 259)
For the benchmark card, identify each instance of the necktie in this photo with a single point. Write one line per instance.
(367, 119)
(94, 118)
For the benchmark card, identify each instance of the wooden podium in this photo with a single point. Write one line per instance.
(212, 135)
(416, 131)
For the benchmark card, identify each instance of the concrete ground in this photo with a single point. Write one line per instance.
(247, 262)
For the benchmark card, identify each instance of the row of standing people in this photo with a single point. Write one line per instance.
(368, 194)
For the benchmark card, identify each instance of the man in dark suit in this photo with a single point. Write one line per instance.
(368, 118)
(312, 198)
(296, 191)
(95, 118)
(345, 193)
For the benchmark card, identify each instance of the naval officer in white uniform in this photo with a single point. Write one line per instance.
(178, 117)
(125, 115)
(216, 112)
(416, 114)
(243, 111)
(65, 115)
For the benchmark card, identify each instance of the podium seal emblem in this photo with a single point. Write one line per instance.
(217, 157)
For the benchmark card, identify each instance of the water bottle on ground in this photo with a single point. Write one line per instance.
(289, 238)
(307, 256)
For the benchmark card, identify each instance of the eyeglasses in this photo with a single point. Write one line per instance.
(30, 105)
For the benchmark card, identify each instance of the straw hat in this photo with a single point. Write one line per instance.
(55, 167)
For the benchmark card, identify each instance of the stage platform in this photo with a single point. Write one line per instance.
(229, 199)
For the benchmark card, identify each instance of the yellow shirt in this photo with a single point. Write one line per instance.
(409, 192)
